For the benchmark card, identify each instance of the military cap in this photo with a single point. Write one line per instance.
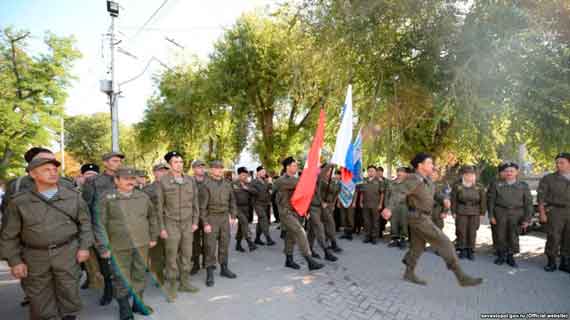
(160, 166)
(198, 163)
(140, 173)
(110, 155)
(468, 169)
(89, 167)
(216, 164)
(288, 161)
(38, 162)
(126, 172)
(33, 152)
(241, 170)
(565, 155)
(259, 168)
(419, 158)
(172, 154)
(508, 164)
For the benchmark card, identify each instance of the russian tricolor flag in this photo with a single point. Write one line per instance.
(343, 155)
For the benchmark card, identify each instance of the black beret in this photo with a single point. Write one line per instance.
(259, 168)
(419, 158)
(172, 154)
(241, 170)
(508, 164)
(89, 167)
(565, 155)
(288, 161)
(33, 152)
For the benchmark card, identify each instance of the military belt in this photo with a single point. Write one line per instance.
(52, 246)
(509, 207)
(469, 203)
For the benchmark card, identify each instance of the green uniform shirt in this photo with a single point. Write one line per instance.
(261, 190)
(509, 196)
(218, 199)
(468, 200)
(242, 194)
(177, 201)
(417, 191)
(32, 222)
(554, 190)
(284, 186)
(371, 191)
(125, 222)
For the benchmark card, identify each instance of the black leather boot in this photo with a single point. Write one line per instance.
(290, 263)
(329, 256)
(125, 311)
(210, 276)
(315, 255)
(564, 264)
(511, 260)
(258, 240)
(335, 247)
(312, 264)
(551, 265)
(500, 258)
(226, 272)
(470, 255)
(251, 246)
(239, 247)
(462, 253)
(270, 241)
(140, 307)
(107, 292)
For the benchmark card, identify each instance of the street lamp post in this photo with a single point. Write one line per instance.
(111, 88)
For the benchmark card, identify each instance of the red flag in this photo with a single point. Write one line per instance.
(301, 199)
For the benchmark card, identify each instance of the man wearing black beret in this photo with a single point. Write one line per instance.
(509, 205)
(554, 194)
(261, 189)
(178, 214)
(418, 191)
(244, 200)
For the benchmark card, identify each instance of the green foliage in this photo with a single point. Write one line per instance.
(32, 93)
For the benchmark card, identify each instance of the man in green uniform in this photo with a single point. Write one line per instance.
(178, 216)
(244, 201)
(554, 194)
(125, 229)
(317, 229)
(26, 183)
(92, 190)
(46, 236)
(442, 199)
(261, 189)
(371, 202)
(509, 204)
(218, 212)
(156, 253)
(468, 205)
(285, 186)
(418, 191)
(199, 243)
(399, 219)
(141, 179)
(328, 190)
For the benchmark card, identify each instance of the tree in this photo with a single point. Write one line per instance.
(32, 92)
(87, 137)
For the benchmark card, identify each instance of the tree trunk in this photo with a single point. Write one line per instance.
(268, 138)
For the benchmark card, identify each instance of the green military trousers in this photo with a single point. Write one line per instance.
(217, 241)
(508, 229)
(399, 222)
(466, 227)
(295, 233)
(422, 231)
(243, 224)
(129, 268)
(52, 284)
(347, 218)
(178, 248)
(262, 227)
(558, 232)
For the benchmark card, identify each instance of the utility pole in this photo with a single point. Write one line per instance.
(110, 87)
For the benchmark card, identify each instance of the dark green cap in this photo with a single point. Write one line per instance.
(110, 155)
(216, 164)
(127, 172)
(38, 162)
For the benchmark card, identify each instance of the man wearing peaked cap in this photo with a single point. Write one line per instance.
(178, 215)
(244, 201)
(92, 190)
(198, 243)
(156, 253)
(510, 207)
(47, 262)
(261, 189)
(553, 194)
(125, 230)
